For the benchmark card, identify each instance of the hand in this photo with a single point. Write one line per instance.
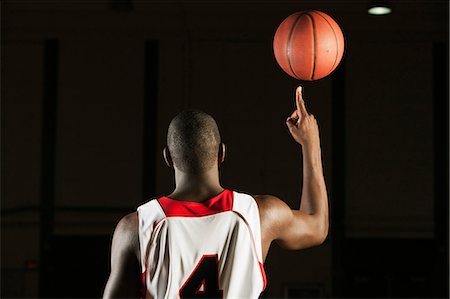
(302, 125)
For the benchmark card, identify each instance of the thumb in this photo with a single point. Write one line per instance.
(291, 124)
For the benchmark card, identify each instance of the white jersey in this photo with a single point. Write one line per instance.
(210, 249)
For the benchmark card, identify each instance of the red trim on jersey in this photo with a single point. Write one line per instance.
(220, 203)
(263, 272)
(155, 225)
(261, 265)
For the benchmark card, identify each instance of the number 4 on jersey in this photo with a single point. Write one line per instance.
(204, 280)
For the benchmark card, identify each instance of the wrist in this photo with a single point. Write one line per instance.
(309, 147)
(312, 156)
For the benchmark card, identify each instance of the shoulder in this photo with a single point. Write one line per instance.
(124, 282)
(272, 209)
(270, 203)
(128, 223)
(126, 234)
(265, 199)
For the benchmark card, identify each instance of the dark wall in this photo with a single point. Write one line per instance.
(88, 90)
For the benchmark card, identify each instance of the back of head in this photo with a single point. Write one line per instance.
(193, 139)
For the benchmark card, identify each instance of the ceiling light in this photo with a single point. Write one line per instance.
(379, 8)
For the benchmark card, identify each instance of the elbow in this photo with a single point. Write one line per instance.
(322, 233)
(324, 228)
(316, 236)
(319, 238)
(323, 236)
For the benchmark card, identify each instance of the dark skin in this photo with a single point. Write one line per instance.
(291, 229)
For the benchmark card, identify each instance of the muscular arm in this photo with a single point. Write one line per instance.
(308, 226)
(125, 278)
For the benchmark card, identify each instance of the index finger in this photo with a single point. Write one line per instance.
(300, 102)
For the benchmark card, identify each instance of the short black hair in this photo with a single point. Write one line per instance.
(193, 140)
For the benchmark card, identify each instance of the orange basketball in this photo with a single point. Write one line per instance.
(308, 45)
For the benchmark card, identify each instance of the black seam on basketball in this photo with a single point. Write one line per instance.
(335, 39)
(314, 45)
(288, 46)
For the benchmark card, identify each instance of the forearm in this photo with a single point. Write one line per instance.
(311, 221)
(314, 199)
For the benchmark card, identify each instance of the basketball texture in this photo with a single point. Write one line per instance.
(308, 45)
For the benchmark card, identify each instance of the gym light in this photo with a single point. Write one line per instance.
(379, 8)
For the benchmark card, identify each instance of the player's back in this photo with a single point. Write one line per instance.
(210, 249)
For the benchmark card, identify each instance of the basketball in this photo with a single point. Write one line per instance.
(308, 45)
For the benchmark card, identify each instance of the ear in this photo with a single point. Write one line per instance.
(222, 151)
(167, 157)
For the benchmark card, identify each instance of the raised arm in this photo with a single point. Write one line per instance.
(308, 226)
(125, 278)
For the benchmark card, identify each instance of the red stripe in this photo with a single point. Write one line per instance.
(263, 272)
(220, 203)
(261, 265)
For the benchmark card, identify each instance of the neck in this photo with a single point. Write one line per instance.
(196, 186)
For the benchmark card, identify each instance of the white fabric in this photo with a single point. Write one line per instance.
(172, 247)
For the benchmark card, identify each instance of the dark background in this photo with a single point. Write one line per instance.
(88, 90)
